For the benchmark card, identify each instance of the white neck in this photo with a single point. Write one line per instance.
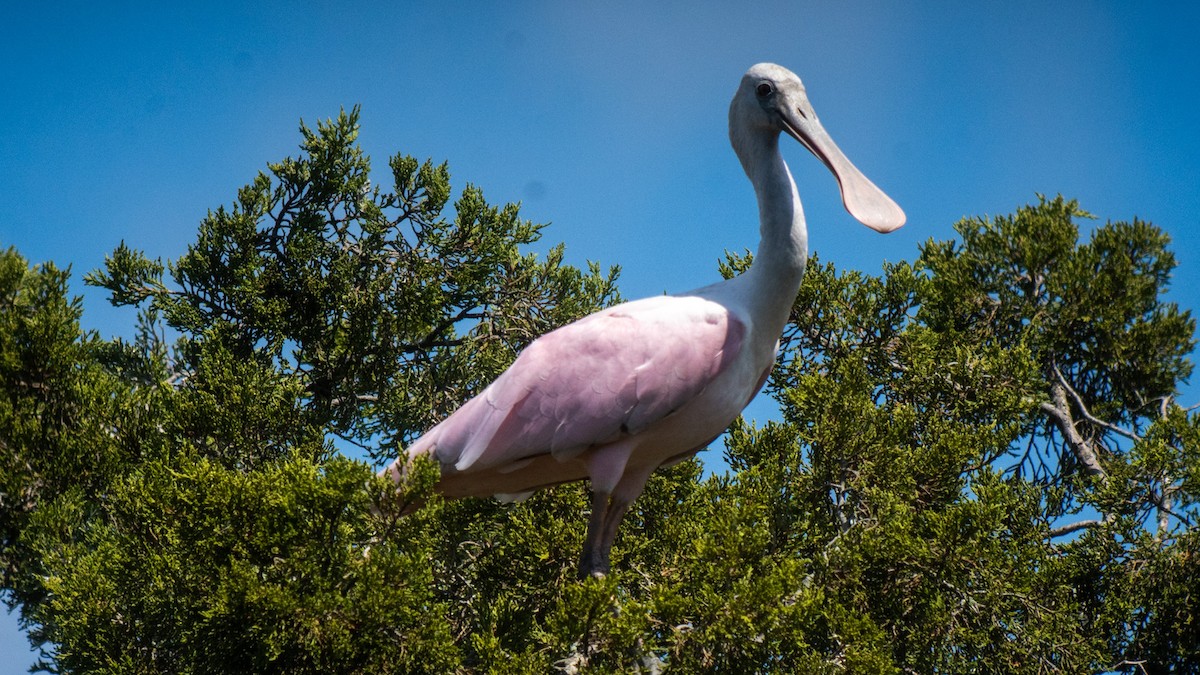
(783, 249)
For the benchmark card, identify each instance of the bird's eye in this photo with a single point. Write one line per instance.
(763, 89)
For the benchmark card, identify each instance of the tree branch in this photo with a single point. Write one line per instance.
(1088, 415)
(430, 340)
(1060, 411)
(1074, 527)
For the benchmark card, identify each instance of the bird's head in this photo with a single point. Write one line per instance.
(770, 100)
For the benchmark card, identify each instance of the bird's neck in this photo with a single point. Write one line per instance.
(783, 248)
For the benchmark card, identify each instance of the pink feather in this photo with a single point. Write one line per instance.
(589, 383)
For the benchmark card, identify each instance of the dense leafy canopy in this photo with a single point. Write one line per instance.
(981, 465)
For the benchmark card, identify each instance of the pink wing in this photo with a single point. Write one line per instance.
(612, 373)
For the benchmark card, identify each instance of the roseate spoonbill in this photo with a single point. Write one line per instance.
(615, 395)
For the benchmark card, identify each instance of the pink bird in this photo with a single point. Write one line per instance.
(619, 393)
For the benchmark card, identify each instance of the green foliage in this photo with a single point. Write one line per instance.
(199, 568)
(372, 300)
(60, 413)
(980, 467)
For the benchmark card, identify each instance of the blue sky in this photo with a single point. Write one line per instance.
(608, 121)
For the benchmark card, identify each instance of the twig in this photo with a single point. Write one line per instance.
(1088, 415)
(1060, 411)
(1074, 527)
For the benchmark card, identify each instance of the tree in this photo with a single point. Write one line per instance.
(981, 465)
(182, 507)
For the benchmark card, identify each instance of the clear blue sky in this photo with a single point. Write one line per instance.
(129, 123)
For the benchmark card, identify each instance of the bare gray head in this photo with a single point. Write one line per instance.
(770, 100)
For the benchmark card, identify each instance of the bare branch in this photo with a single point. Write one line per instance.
(1140, 665)
(1088, 415)
(430, 340)
(1074, 527)
(358, 398)
(1060, 411)
(1163, 502)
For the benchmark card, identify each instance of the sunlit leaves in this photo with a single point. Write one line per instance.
(373, 300)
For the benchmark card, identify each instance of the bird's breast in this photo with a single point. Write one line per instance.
(705, 417)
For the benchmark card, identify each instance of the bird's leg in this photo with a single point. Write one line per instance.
(594, 560)
(612, 521)
(602, 528)
(607, 513)
(606, 470)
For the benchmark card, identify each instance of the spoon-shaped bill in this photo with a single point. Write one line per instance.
(862, 199)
